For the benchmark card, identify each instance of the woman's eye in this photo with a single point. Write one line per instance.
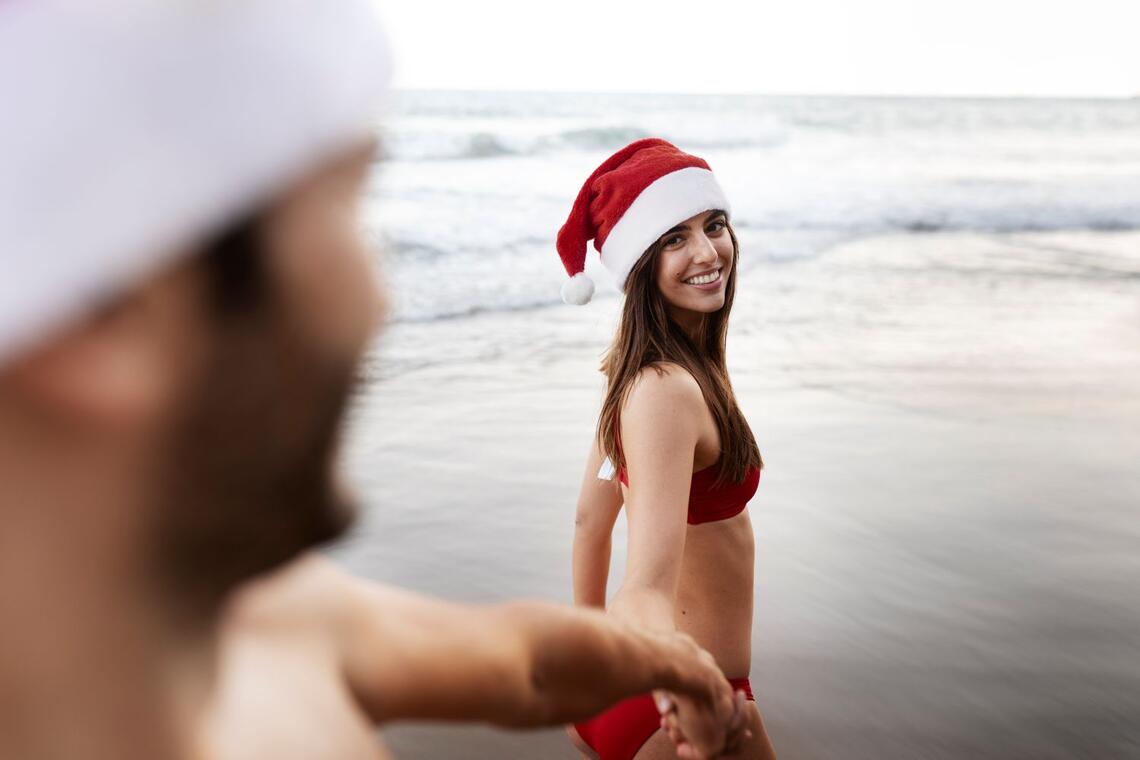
(716, 226)
(669, 242)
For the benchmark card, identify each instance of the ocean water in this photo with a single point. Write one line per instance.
(475, 185)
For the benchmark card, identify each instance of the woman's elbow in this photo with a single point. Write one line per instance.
(589, 524)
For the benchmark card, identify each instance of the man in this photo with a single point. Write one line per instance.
(183, 299)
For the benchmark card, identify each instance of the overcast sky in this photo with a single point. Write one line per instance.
(910, 47)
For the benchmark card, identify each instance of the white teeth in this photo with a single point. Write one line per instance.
(703, 279)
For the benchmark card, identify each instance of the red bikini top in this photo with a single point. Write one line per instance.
(709, 502)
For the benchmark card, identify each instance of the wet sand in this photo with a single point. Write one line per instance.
(948, 542)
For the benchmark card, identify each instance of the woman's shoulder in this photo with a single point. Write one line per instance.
(664, 387)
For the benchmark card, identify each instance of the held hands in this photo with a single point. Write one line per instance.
(710, 721)
(703, 732)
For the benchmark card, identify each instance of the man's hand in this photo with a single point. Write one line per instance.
(700, 733)
(704, 719)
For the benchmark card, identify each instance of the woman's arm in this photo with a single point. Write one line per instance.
(599, 502)
(660, 426)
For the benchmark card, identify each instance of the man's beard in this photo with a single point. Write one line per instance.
(249, 476)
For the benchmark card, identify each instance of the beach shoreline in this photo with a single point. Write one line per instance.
(946, 533)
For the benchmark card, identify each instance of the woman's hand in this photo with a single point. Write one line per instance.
(704, 718)
(703, 731)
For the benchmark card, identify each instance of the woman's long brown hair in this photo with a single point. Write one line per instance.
(648, 337)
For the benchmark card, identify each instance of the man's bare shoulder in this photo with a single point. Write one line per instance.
(281, 688)
(315, 595)
(311, 593)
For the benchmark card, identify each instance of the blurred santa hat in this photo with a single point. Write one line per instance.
(130, 130)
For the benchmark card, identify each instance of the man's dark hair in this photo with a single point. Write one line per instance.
(234, 268)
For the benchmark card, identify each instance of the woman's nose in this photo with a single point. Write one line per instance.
(706, 251)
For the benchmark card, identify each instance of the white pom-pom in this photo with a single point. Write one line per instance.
(578, 290)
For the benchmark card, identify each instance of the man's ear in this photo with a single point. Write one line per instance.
(119, 365)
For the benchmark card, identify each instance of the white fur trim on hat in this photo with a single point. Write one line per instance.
(668, 201)
(132, 130)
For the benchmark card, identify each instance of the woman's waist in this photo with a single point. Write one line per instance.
(718, 565)
(724, 603)
(728, 641)
(721, 541)
(717, 612)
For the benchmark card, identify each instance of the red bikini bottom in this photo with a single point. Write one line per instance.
(619, 732)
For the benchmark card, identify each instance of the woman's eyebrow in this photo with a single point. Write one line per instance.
(684, 228)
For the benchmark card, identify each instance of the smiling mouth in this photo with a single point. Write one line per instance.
(703, 279)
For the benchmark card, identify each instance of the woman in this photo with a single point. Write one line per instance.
(670, 430)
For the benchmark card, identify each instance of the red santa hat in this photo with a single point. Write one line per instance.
(633, 198)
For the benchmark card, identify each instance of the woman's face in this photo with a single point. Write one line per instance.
(695, 260)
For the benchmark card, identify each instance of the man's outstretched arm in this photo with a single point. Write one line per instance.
(403, 656)
(516, 664)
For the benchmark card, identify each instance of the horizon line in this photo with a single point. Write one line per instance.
(772, 94)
